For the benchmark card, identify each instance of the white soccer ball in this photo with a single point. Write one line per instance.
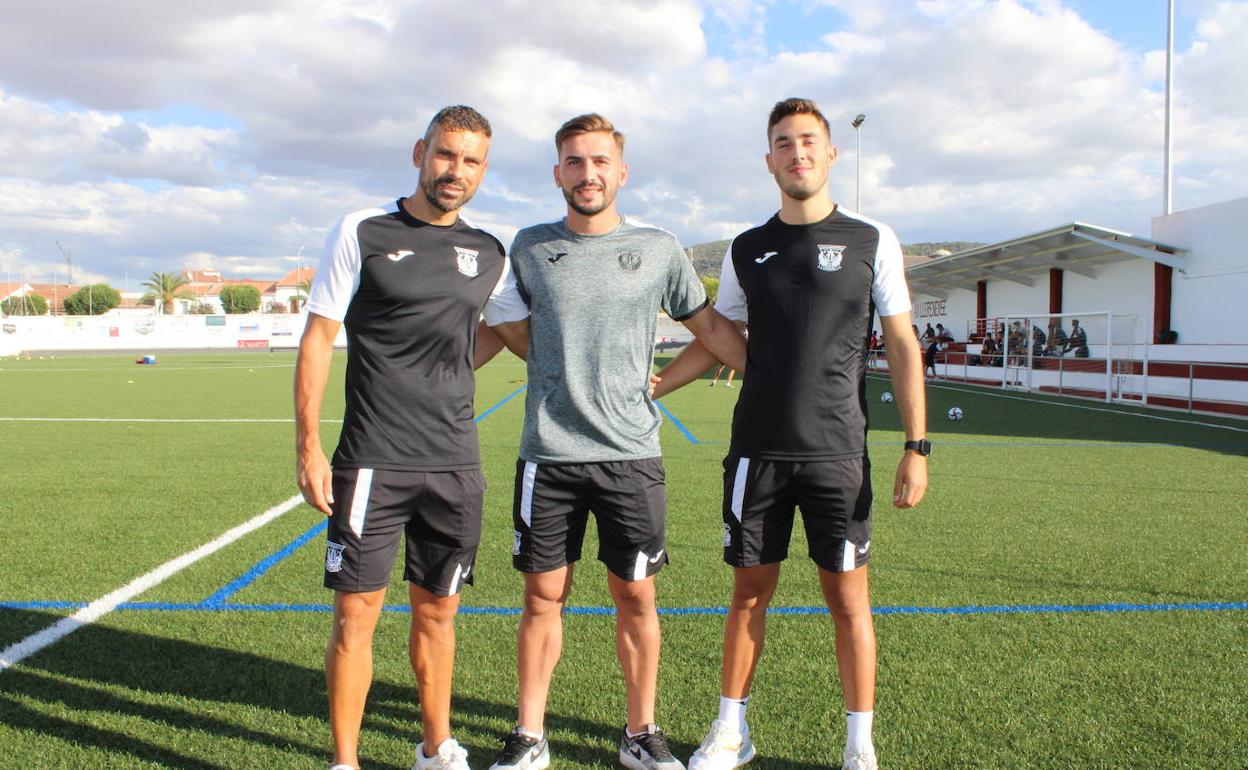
(955, 413)
(886, 397)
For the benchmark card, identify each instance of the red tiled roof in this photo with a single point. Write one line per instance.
(264, 287)
(291, 280)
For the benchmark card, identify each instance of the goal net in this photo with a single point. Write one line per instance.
(1092, 354)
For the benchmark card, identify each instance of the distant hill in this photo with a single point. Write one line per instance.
(708, 257)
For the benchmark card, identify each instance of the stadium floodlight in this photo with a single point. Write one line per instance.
(857, 124)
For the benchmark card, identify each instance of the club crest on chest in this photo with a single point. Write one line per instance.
(466, 261)
(830, 257)
(630, 261)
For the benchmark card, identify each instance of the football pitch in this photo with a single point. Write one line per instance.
(1073, 592)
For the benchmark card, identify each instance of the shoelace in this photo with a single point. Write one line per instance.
(722, 738)
(449, 759)
(516, 746)
(655, 744)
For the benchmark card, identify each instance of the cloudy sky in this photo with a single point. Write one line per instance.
(145, 135)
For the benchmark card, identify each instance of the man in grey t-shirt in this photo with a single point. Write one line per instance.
(595, 283)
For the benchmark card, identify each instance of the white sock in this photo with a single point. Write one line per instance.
(858, 731)
(732, 711)
(526, 732)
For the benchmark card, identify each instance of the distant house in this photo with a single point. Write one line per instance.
(206, 285)
(287, 291)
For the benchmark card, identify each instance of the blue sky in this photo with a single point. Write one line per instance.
(231, 135)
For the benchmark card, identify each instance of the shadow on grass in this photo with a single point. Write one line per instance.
(100, 671)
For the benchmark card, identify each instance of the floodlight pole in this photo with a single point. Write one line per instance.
(1168, 182)
(857, 124)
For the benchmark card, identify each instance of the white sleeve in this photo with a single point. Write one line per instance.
(505, 304)
(338, 275)
(730, 302)
(889, 290)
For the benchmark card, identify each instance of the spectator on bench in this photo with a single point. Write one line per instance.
(1057, 341)
(1078, 340)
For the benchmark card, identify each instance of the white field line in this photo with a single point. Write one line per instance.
(163, 419)
(160, 369)
(106, 604)
(1086, 408)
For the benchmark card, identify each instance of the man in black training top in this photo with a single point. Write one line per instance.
(807, 282)
(409, 280)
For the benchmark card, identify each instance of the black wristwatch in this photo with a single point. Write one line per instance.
(922, 446)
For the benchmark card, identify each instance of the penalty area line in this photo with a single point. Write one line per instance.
(104, 605)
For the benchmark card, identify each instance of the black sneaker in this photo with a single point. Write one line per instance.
(522, 752)
(647, 751)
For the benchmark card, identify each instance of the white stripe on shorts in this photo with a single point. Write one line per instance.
(526, 493)
(639, 567)
(459, 573)
(738, 486)
(847, 557)
(359, 501)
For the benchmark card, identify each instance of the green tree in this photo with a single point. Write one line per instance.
(712, 287)
(302, 291)
(31, 304)
(164, 288)
(240, 298)
(96, 299)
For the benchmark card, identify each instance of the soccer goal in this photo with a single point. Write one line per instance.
(1092, 354)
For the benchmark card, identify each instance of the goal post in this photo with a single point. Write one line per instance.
(1094, 354)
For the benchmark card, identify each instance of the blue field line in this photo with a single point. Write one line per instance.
(679, 425)
(218, 599)
(499, 405)
(263, 566)
(983, 609)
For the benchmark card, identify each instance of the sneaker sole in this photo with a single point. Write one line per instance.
(741, 760)
(541, 763)
(633, 763)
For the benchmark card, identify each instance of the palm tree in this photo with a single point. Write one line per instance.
(165, 288)
(302, 290)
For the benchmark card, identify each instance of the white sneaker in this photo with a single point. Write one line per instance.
(862, 760)
(723, 748)
(450, 756)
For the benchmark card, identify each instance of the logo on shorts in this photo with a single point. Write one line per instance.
(727, 534)
(466, 260)
(830, 257)
(515, 544)
(864, 547)
(333, 556)
(630, 261)
(397, 255)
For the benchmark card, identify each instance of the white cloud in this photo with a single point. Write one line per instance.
(984, 119)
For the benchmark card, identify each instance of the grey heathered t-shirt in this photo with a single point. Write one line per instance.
(595, 302)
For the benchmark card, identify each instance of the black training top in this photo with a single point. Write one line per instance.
(410, 295)
(808, 293)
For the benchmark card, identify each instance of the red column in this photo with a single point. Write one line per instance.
(1162, 279)
(1055, 290)
(981, 306)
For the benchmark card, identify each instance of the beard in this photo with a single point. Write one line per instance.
(441, 200)
(608, 197)
(798, 188)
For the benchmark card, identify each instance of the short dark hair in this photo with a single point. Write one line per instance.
(459, 117)
(589, 123)
(795, 106)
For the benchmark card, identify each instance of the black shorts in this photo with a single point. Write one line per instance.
(552, 506)
(833, 495)
(439, 512)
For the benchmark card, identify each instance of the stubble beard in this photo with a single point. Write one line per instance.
(430, 189)
(608, 197)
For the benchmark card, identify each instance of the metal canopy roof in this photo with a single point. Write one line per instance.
(1077, 247)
